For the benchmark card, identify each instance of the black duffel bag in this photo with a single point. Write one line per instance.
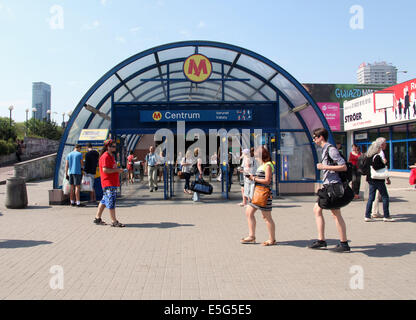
(201, 186)
(335, 196)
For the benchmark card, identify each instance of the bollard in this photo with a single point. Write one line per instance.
(16, 194)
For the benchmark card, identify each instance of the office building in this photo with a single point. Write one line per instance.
(41, 100)
(377, 73)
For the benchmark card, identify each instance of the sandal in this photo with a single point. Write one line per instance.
(117, 225)
(99, 222)
(269, 243)
(248, 240)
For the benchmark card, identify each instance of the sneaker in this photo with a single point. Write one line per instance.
(377, 215)
(341, 248)
(80, 205)
(151, 190)
(156, 188)
(99, 222)
(388, 219)
(368, 219)
(318, 244)
(72, 204)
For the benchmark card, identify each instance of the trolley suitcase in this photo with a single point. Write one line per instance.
(202, 186)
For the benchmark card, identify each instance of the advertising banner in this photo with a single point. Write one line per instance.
(331, 112)
(404, 102)
(361, 113)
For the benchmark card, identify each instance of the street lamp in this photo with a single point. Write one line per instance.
(34, 111)
(27, 112)
(49, 115)
(11, 109)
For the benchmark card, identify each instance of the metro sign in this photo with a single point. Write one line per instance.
(157, 116)
(197, 68)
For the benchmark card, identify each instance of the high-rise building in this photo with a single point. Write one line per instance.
(377, 73)
(41, 100)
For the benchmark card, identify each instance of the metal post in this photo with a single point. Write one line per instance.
(165, 187)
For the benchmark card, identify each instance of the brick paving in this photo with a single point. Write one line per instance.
(181, 250)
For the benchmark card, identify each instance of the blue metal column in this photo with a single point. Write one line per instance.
(165, 186)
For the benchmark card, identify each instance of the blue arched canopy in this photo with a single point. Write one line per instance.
(154, 79)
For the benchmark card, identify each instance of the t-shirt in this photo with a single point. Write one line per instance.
(74, 162)
(186, 169)
(151, 159)
(108, 179)
(91, 161)
(328, 175)
(354, 158)
(130, 161)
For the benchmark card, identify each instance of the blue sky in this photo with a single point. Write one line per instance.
(312, 40)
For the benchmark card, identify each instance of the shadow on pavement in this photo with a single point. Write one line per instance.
(305, 243)
(38, 207)
(396, 199)
(405, 217)
(386, 250)
(13, 244)
(161, 225)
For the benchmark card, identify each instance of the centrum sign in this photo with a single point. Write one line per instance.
(197, 68)
(196, 115)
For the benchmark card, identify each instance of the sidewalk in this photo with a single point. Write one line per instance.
(181, 250)
(6, 173)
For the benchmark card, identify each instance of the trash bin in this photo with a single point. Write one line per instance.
(16, 194)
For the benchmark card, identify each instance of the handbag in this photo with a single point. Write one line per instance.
(86, 183)
(412, 178)
(181, 175)
(260, 196)
(380, 174)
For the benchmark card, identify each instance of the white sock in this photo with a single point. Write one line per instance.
(78, 203)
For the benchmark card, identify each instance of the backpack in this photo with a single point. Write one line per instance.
(345, 176)
(363, 165)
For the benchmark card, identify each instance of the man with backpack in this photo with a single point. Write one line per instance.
(334, 194)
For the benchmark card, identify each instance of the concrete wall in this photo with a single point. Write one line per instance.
(37, 169)
(34, 147)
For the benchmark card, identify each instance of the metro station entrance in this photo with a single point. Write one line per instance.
(198, 87)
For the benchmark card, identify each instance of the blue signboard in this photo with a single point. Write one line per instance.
(196, 115)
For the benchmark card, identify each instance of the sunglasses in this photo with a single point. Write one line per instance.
(314, 137)
(113, 146)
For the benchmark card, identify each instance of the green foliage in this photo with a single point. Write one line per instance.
(44, 129)
(7, 133)
(7, 147)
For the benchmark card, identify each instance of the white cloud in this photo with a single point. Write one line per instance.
(91, 26)
(135, 29)
(121, 39)
(104, 2)
(202, 24)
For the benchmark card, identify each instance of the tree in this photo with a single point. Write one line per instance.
(7, 132)
(44, 129)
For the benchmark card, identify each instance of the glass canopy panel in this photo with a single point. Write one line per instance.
(231, 94)
(177, 66)
(97, 122)
(61, 174)
(217, 69)
(288, 120)
(77, 126)
(257, 66)
(218, 53)
(103, 90)
(296, 157)
(290, 91)
(142, 90)
(120, 92)
(269, 93)
(241, 87)
(311, 119)
(176, 53)
(136, 65)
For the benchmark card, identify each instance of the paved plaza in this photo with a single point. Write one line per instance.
(181, 250)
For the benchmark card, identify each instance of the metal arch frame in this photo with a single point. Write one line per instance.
(196, 44)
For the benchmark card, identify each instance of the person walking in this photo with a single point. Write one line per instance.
(197, 168)
(110, 181)
(130, 166)
(263, 179)
(186, 164)
(245, 170)
(330, 177)
(376, 184)
(151, 169)
(73, 172)
(90, 164)
(19, 149)
(356, 176)
(375, 210)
